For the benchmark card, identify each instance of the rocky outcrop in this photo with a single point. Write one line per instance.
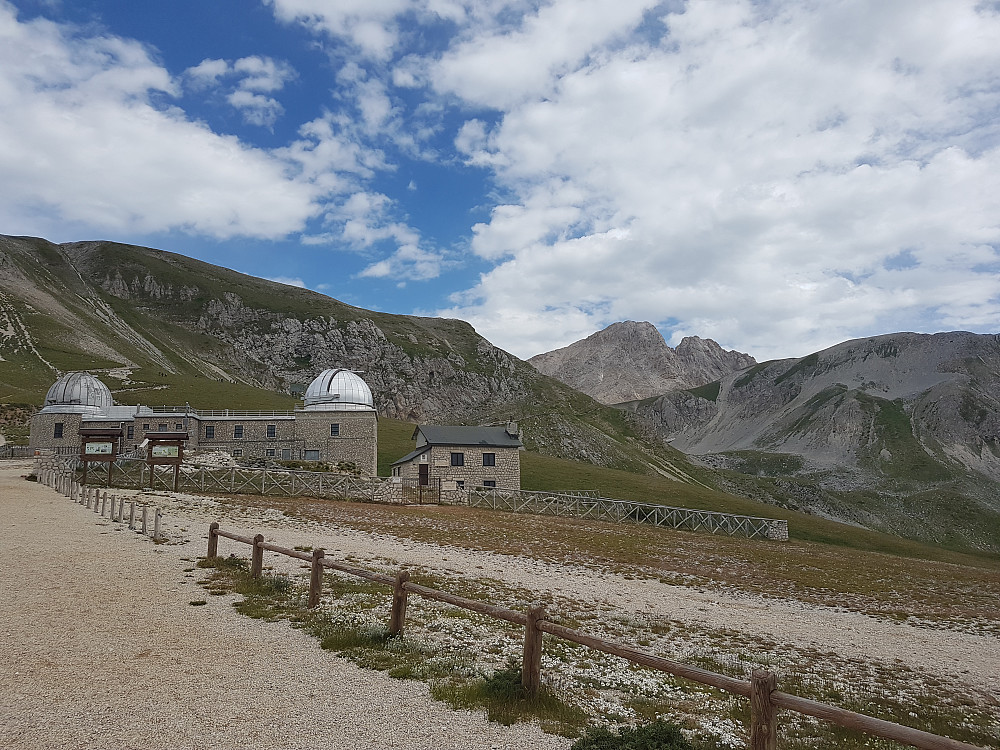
(912, 406)
(629, 361)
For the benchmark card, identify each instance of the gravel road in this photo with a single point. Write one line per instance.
(103, 650)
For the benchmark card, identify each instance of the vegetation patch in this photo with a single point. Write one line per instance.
(709, 391)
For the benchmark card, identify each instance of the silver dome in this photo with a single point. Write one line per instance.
(78, 393)
(339, 390)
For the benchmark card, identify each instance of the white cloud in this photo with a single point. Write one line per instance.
(84, 143)
(746, 176)
(247, 80)
(371, 25)
(288, 281)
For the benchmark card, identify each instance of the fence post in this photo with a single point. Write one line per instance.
(316, 577)
(144, 509)
(121, 508)
(131, 514)
(156, 525)
(398, 603)
(531, 667)
(104, 502)
(213, 539)
(257, 563)
(763, 726)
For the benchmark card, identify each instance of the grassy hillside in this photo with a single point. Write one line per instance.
(548, 473)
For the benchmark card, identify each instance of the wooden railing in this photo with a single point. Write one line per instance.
(115, 507)
(761, 689)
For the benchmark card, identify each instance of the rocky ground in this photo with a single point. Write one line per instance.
(158, 662)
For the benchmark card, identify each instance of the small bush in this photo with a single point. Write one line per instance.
(660, 735)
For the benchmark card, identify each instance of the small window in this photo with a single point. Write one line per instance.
(312, 455)
(286, 454)
(210, 432)
(269, 452)
(335, 430)
(179, 426)
(161, 428)
(272, 430)
(146, 427)
(237, 452)
(460, 484)
(458, 459)
(489, 483)
(489, 459)
(130, 432)
(237, 430)
(58, 430)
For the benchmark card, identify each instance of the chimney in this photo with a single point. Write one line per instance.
(512, 429)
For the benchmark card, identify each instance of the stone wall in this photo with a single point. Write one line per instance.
(506, 473)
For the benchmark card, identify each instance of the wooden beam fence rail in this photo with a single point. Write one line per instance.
(56, 476)
(761, 689)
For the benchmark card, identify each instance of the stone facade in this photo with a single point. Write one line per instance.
(330, 436)
(463, 458)
(338, 423)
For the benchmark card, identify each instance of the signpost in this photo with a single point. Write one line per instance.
(99, 444)
(166, 449)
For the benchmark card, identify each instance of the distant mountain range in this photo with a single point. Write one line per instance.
(898, 432)
(161, 328)
(628, 361)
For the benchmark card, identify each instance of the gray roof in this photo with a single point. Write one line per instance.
(412, 455)
(473, 436)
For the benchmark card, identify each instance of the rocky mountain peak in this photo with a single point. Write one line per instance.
(630, 360)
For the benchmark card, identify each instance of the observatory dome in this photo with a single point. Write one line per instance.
(339, 390)
(78, 393)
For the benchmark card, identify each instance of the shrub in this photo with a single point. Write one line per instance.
(660, 735)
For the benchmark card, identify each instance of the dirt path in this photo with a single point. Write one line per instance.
(103, 650)
(962, 658)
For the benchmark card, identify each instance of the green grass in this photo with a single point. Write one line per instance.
(709, 392)
(506, 702)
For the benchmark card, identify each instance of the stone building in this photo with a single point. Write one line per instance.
(336, 424)
(464, 457)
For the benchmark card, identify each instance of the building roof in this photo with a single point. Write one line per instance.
(339, 390)
(78, 393)
(490, 437)
(411, 455)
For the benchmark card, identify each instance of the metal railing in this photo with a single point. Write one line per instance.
(625, 511)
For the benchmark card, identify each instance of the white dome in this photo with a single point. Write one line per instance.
(339, 390)
(78, 393)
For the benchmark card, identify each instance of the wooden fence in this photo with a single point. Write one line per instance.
(15, 451)
(135, 473)
(115, 507)
(761, 689)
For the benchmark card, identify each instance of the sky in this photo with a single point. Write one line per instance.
(777, 176)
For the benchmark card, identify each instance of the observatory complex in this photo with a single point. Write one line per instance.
(337, 422)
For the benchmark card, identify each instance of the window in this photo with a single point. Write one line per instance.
(130, 432)
(58, 430)
(489, 483)
(489, 459)
(161, 428)
(312, 455)
(286, 454)
(460, 484)
(335, 430)
(237, 430)
(272, 430)
(210, 432)
(178, 426)
(458, 459)
(145, 427)
(237, 452)
(269, 452)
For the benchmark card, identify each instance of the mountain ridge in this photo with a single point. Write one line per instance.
(630, 360)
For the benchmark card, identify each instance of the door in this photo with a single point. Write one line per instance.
(424, 475)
